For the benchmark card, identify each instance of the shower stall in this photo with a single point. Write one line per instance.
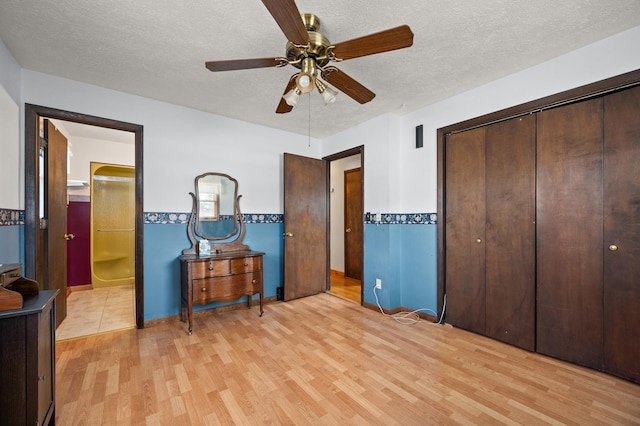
(112, 225)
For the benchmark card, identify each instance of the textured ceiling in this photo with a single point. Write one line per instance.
(157, 49)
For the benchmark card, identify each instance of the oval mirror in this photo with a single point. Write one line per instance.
(216, 196)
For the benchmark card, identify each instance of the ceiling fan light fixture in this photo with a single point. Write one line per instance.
(305, 81)
(292, 97)
(328, 94)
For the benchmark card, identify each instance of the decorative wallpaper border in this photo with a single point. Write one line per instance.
(403, 219)
(386, 218)
(169, 218)
(9, 217)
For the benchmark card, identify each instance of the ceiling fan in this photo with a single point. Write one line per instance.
(310, 51)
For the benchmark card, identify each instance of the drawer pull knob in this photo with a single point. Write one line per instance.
(253, 281)
(246, 263)
(203, 289)
(42, 378)
(613, 247)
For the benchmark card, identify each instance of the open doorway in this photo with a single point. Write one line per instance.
(40, 264)
(100, 226)
(346, 223)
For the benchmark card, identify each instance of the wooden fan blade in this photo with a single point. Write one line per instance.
(348, 85)
(242, 64)
(288, 18)
(284, 107)
(383, 41)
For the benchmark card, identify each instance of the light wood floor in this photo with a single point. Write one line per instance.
(324, 360)
(346, 287)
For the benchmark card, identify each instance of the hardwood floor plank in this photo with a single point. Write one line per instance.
(324, 360)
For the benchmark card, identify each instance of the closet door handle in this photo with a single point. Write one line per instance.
(288, 234)
(69, 237)
(613, 247)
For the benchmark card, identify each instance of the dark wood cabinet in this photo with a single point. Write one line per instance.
(222, 277)
(541, 238)
(27, 362)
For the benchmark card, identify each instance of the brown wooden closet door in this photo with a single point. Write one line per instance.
(464, 229)
(622, 234)
(569, 233)
(510, 231)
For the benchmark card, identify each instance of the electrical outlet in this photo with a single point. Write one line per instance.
(378, 283)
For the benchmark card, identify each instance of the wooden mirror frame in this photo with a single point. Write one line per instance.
(229, 244)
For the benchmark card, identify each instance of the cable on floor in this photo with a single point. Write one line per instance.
(412, 317)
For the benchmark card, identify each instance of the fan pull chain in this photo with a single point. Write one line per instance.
(309, 98)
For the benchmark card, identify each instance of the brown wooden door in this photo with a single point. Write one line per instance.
(55, 244)
(510, 232)
(569, 233)
(465, 229)
(305, 226)
(622, 234)
(353, 211)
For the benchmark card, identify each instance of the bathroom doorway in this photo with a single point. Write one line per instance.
(37, 264)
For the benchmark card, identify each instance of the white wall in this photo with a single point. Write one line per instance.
(381, 156)
(9, 152)
(180, 143)
(401, 178)
(10, 73)
(9, 130)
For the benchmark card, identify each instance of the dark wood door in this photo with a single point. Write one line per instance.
(353, 211)
(622, 234)
(510, 231)
(465, 229)
(305, 226)
(569, 233)
(55, 244)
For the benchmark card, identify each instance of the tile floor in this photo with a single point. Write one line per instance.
(97, 311)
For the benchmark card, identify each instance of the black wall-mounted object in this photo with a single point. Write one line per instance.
(419, 136)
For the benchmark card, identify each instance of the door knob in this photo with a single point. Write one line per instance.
(69, 237)
(613, 247)
(347, 230)
(288, 234)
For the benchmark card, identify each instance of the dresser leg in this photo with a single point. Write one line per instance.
(261, 309)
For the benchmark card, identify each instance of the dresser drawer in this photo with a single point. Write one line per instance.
(248, 264)
(226, 288)
(211, 268)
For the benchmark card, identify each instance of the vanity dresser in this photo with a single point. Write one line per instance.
(217, 267)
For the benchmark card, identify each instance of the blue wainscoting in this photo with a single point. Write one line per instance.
(11, 236)
(403, 256)
(401, 250)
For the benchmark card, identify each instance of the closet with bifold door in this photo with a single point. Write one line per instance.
(490, 229)
(541, 229)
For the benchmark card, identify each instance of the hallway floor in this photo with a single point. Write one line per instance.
(346, 287)
(97, 311)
